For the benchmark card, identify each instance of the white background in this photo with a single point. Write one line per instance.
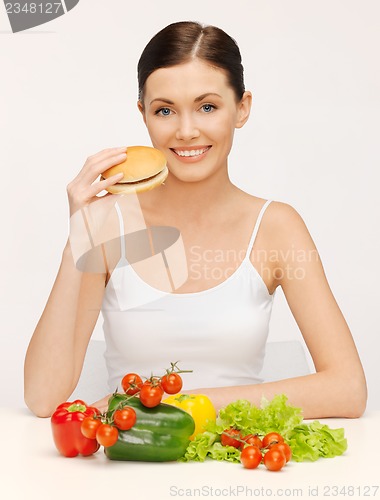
(68, 89)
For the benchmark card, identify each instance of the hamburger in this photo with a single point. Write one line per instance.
(144, 169)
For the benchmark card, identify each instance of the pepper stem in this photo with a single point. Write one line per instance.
(76, 407)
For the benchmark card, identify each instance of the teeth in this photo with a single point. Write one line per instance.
(192, 152)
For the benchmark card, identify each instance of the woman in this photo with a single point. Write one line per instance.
(192, 98)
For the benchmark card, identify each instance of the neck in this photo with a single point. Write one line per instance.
(194, 201)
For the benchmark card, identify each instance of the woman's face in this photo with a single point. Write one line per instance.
(191, 114)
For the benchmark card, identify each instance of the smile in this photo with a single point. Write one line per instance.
(190, 152)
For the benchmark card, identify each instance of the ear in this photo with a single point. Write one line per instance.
(141, 109)
(244, 109)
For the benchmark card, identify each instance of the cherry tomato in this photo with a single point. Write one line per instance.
(252, 439)
(151, 394)
(153, 381)
(285, 448)
(131, 383)
(171, 383)
(228, 438)
(107, 435)
(272, 438)
(125, 418)
(251, 457)
(274, 459)
(89, 426)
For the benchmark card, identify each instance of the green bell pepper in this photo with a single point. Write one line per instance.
(160, 434)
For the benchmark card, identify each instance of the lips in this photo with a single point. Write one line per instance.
(190, 152)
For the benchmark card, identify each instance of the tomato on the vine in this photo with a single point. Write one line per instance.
(171, 383)
(251, 457)
(125, 418)
(131, 383)
(285, 448)
(274, 459)
(89, 426)
(151, 394)
(272, 438)
(228, 438)
(252, 439)
(107, 435)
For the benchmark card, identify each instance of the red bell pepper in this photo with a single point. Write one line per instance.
(66, 426)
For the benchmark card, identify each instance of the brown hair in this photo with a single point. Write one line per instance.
(179, 42)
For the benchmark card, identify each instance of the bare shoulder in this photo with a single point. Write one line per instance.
(283, 233)
(280, 213)
(284, 224)
(281, 223)
(276, 213)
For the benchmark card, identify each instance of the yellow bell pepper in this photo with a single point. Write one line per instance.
(198, 406)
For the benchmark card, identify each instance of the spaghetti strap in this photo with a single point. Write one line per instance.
(122, 233)
(256, 228)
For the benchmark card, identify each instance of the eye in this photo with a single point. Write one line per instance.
(208, 108)
(163, 112)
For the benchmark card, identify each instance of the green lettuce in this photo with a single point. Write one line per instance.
(308, 441)
(314, 440)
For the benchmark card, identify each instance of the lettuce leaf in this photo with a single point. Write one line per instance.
(314, 440)
(308, 441)
(275, 415)
(200, 447)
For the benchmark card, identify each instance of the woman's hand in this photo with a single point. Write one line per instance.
(83, 189)
(102, 404)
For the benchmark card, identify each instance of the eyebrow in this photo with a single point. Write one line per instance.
(197, 99)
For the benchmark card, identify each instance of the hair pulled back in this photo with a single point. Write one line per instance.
(180, 42)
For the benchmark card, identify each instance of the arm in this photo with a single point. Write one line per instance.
(55, 355)
(338, 388)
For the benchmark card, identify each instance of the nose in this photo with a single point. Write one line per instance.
(187, 128)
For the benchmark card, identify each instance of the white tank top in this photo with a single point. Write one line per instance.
(219, 333)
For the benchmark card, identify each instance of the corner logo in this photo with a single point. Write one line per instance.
(24, 15)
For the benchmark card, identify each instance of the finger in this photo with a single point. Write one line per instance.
(101, 155)
(105, 157)
(97, 187)
(89, 175)
(81, 194)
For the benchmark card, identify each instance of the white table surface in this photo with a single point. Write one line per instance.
(31, 468)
